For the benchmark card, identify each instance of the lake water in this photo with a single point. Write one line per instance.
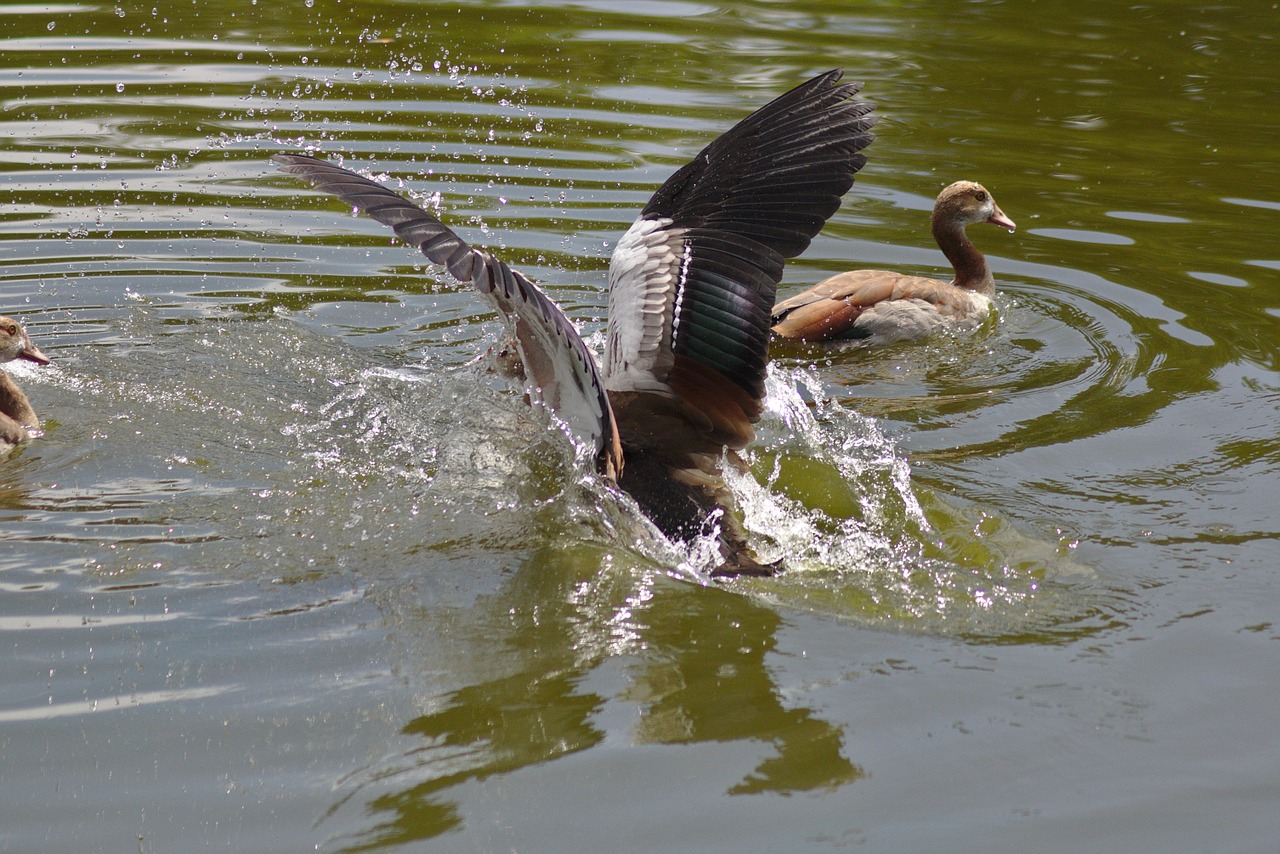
(290, 570)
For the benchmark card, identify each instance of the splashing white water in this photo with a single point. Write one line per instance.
(843, 449)
(860, 448)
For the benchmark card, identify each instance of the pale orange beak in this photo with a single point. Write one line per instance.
(998, 218)
(31, 352)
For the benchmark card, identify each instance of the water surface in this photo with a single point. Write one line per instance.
(290, 567)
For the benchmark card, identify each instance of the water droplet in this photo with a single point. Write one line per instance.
(119, 87)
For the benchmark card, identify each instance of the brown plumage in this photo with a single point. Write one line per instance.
(691, 284)
(17, 419)
(880, 307)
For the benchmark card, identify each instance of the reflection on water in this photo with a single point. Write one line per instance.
(697, 672)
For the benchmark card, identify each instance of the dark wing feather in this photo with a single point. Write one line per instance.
(810, 137)
(562, 372)
(695, 277)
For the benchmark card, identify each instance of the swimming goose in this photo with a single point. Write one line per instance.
(17, 419)
(691, 284)
(879, 307)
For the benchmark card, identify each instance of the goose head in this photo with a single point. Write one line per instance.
(16, 344)
(967, 202)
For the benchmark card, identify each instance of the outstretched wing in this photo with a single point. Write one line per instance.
(561, 371)
(693, 280)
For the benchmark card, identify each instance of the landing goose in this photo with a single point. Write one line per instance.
(17, 419)
(879, 307)
(691, 285)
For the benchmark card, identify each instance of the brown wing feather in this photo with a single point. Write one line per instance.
(730, 410)
(828, 309)
(703, 417)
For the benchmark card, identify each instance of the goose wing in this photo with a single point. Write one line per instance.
(560, 369)
(877, 305)
(830, 309)
(693, 280)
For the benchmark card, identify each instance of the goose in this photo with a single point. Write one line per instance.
(18, 420)
(878, 307)
(691, 285)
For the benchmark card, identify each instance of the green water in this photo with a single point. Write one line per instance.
(288, 571)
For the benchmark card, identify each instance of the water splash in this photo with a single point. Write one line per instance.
(289, 449)
(826, 487)
(829, 492)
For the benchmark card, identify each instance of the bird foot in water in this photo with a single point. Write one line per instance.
(747, 567)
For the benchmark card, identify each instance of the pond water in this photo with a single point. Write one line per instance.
(291, 569)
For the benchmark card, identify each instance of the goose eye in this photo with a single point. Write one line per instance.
(980, 196)
(12, 330)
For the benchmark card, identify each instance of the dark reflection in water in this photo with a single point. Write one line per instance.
(699, 676)
(493, 728)
(709, 682)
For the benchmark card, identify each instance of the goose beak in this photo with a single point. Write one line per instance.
(998, 218)
(32, 353)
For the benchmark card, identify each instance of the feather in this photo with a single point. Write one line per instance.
(562, 372)
(697, 273)
(691, 285)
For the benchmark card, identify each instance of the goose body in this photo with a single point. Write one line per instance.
(17, 418)
(691, 285)
(880, 307)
